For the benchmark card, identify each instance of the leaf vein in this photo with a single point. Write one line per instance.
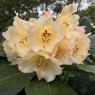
(49, 89)
(9, 76)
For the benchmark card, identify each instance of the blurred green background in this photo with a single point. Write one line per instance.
(34, 8)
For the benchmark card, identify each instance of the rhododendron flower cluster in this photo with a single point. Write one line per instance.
(42, 45)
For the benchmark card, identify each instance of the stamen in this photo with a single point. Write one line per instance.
(22, 41)
(46, 37)
(15, 45)
(82, 56)
(76, 49)
(42, 62)
(65, 24)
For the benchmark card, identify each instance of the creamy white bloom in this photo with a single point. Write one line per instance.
(70, 9)
(45, 34)
(33, 20)
(80, 51)
(81, 46)
(42, 45)
(75, 48)
(17, 36)
(67, 19)
(45, 68)
(10, 52)
(64, 51)
(19, 45)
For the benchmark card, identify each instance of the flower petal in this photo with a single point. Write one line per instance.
(67, 19)
(28, 64)
(64, 51)
(52, 70)
(67, 23)
(45, 34)
(17, 36)
(10, 52)
(70, 9)
(33, 20)
(21, 25)
(80, 52)
(45, 68)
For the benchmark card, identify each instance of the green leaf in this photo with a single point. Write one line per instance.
(84, 21)
(91, 88)
(87, 68)
(79, 83)
(56, 87)
(80, 68)
(11, 80)
(2, 53)
(92, 47)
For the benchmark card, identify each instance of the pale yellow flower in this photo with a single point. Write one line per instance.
(10, 52)
(80, 51)
(73, 49)
(33, 20)
(19, 44)
(64, 51)
(80, 46)
(42, 45)
(45, 34)
(70, 9)
(45, 68)
(17, 36)
(67, 19)
(72, 37)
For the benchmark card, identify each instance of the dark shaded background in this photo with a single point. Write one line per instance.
(29, 8)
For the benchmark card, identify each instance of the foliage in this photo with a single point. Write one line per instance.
(56, 87)
(11, 80)
(89, 12)
(84, 21)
